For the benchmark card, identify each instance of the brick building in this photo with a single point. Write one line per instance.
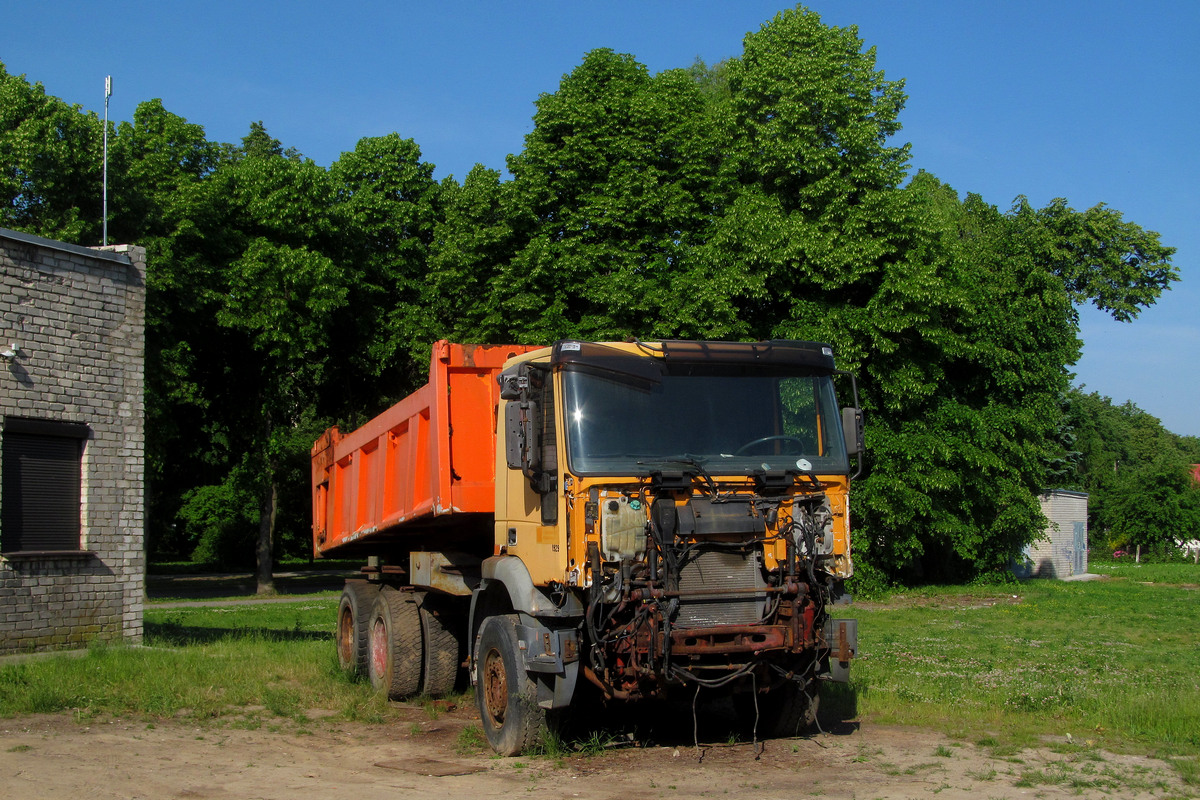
(72, 558)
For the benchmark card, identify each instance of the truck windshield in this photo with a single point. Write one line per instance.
(732, 419)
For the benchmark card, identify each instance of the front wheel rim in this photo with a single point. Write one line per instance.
(495, 688)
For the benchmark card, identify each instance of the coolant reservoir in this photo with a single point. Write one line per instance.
(622, 528)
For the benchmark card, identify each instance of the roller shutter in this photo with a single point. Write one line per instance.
(41, 485)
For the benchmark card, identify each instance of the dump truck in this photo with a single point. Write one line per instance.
(632, 520)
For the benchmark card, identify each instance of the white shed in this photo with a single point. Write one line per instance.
(1062, 552)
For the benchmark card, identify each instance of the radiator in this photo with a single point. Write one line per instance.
(724, 570)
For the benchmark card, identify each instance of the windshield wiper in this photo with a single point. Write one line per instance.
(698, 469)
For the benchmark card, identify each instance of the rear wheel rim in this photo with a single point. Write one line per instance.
(379, 648)
(346, 637)
(495, 688)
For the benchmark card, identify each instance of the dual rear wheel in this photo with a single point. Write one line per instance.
(405, 642)
(409, 642)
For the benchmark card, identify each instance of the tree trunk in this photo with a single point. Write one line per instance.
(266, 535)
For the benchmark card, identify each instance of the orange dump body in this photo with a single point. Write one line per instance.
(417, 466)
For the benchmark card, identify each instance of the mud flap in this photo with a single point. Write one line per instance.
(552, 659)
(841, 637)
(556, 691)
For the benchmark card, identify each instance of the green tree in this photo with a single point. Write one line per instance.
(152, 160)
(965, 378)
(387, 204)
(258, 248)
(158, 163)
(1116, 265)
(609, 202)
(50, 164)
(51, 186)
(285, 297)
(473, 236)
(1151, 505)
(993, 374)
(1136, 473)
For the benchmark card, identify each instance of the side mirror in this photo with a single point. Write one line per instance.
(852, 431)
(522, 437)
(523, 426)
(511, 385)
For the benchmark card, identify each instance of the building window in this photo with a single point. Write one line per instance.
(41, 490)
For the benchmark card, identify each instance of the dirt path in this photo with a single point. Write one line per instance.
(54, 756)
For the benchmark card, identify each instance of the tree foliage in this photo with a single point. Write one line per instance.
(1136, 473)
(1116, 265)
(50, 163)
(609, 202)
(763, 197)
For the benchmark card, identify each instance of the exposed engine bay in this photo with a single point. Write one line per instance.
(684, 588)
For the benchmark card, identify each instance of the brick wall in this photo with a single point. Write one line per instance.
(76, 315)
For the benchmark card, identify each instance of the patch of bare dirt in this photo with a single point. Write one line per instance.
(54, 756)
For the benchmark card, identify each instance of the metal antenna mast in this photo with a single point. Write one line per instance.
(107, 94)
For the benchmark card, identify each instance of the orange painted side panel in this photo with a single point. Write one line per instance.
(472, 402)
(431, 454)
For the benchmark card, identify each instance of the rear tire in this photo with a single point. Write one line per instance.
(507, 697)
(354, 615)
(441, 641)
(394, 644)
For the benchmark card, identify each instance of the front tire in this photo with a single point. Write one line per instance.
(783, 712)
(507, 697)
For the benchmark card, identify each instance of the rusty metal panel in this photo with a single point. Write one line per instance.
(452, 573)
(841, 637)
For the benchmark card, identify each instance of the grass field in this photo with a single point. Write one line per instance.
(1113, 663)
(248, 664)
(1179, 573)
(1116, 661)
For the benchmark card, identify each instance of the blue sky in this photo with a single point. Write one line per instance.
(1092, 101)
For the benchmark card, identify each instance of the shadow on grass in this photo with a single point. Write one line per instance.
(172, 634)
(839, 709)
(205, 586)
